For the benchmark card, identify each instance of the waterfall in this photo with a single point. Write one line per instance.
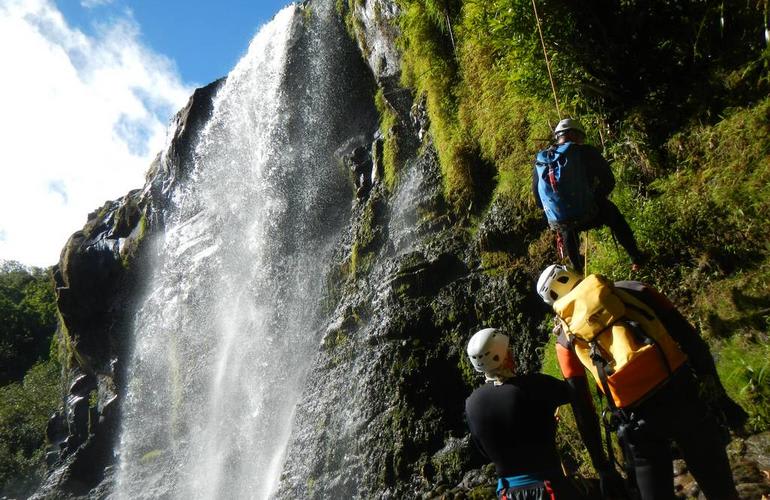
(230, 324)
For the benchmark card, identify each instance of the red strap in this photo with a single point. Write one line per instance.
(560, 244)
(548, 489)
(552, 178)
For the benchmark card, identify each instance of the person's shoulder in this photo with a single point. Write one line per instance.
(535, 379)
(487, 392)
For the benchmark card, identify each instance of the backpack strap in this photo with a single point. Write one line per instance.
(615, 414)
(647, 339)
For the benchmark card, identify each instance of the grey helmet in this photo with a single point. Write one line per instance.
(487, 350)
(566, 125)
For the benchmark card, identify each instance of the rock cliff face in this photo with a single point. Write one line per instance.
(98, 281)
(382, 409)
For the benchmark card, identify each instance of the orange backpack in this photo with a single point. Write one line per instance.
(619, 339)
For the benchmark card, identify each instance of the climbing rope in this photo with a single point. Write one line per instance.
(547, 62)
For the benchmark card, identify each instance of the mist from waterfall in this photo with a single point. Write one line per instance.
(228, 329)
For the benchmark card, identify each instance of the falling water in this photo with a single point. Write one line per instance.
(228, 329)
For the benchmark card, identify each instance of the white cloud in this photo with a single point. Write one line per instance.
(89, 4)
(82, 118)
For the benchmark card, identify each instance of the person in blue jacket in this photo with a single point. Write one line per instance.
(575, 195)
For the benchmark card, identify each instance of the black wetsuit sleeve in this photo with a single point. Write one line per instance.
(598, 170)
(550, 390)
(535, 191)
(587, 420)
(474, 432)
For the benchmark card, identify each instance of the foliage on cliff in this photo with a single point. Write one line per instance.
(675, 95)
(29, 389)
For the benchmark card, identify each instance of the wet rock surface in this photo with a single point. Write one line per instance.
(750, 463)
(393, 353)
(98, 279)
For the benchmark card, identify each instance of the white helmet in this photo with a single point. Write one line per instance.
(556, 282)
(487, 350)
(568, 124)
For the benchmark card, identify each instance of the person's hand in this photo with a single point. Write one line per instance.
(611, 484)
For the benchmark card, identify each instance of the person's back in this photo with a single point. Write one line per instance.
(580, 202)
(513, 424)
(655, 399)
(511, 419)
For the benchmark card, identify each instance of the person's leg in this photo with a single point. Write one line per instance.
(650, 455)
(570, 238)
(610, 216)
(697, 433)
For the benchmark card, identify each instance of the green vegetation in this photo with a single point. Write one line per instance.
(24, 411)
(29, 374)
(28, 309)
(676, 96)
(390, 150)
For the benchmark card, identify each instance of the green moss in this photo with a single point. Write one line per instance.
(496, 263)
(360, 261)
(336, 340)
(391, 158)
(481, 493)
(429, 67)
(134, 242)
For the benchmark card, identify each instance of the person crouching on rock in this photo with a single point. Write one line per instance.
(511, 419)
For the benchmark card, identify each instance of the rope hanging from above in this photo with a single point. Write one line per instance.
(547, 62)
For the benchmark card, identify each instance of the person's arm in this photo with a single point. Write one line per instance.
(582, 405)
(698, 356)
(472, 430)
(598, 170)
(535, 191)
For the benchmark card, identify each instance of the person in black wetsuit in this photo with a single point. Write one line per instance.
(511, 419)
(601, 182)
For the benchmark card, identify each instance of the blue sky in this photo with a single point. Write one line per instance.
(91, 87)
(204, 38)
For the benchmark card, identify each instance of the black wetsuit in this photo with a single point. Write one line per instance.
(606, 213)
(513, 425)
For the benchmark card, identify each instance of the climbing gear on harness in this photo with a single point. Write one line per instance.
(618, 339)
(487, 350)
(555, 282)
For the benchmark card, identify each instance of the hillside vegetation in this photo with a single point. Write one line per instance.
(29, 374)
(675, 94)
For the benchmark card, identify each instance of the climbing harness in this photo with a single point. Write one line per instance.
(547, 62)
